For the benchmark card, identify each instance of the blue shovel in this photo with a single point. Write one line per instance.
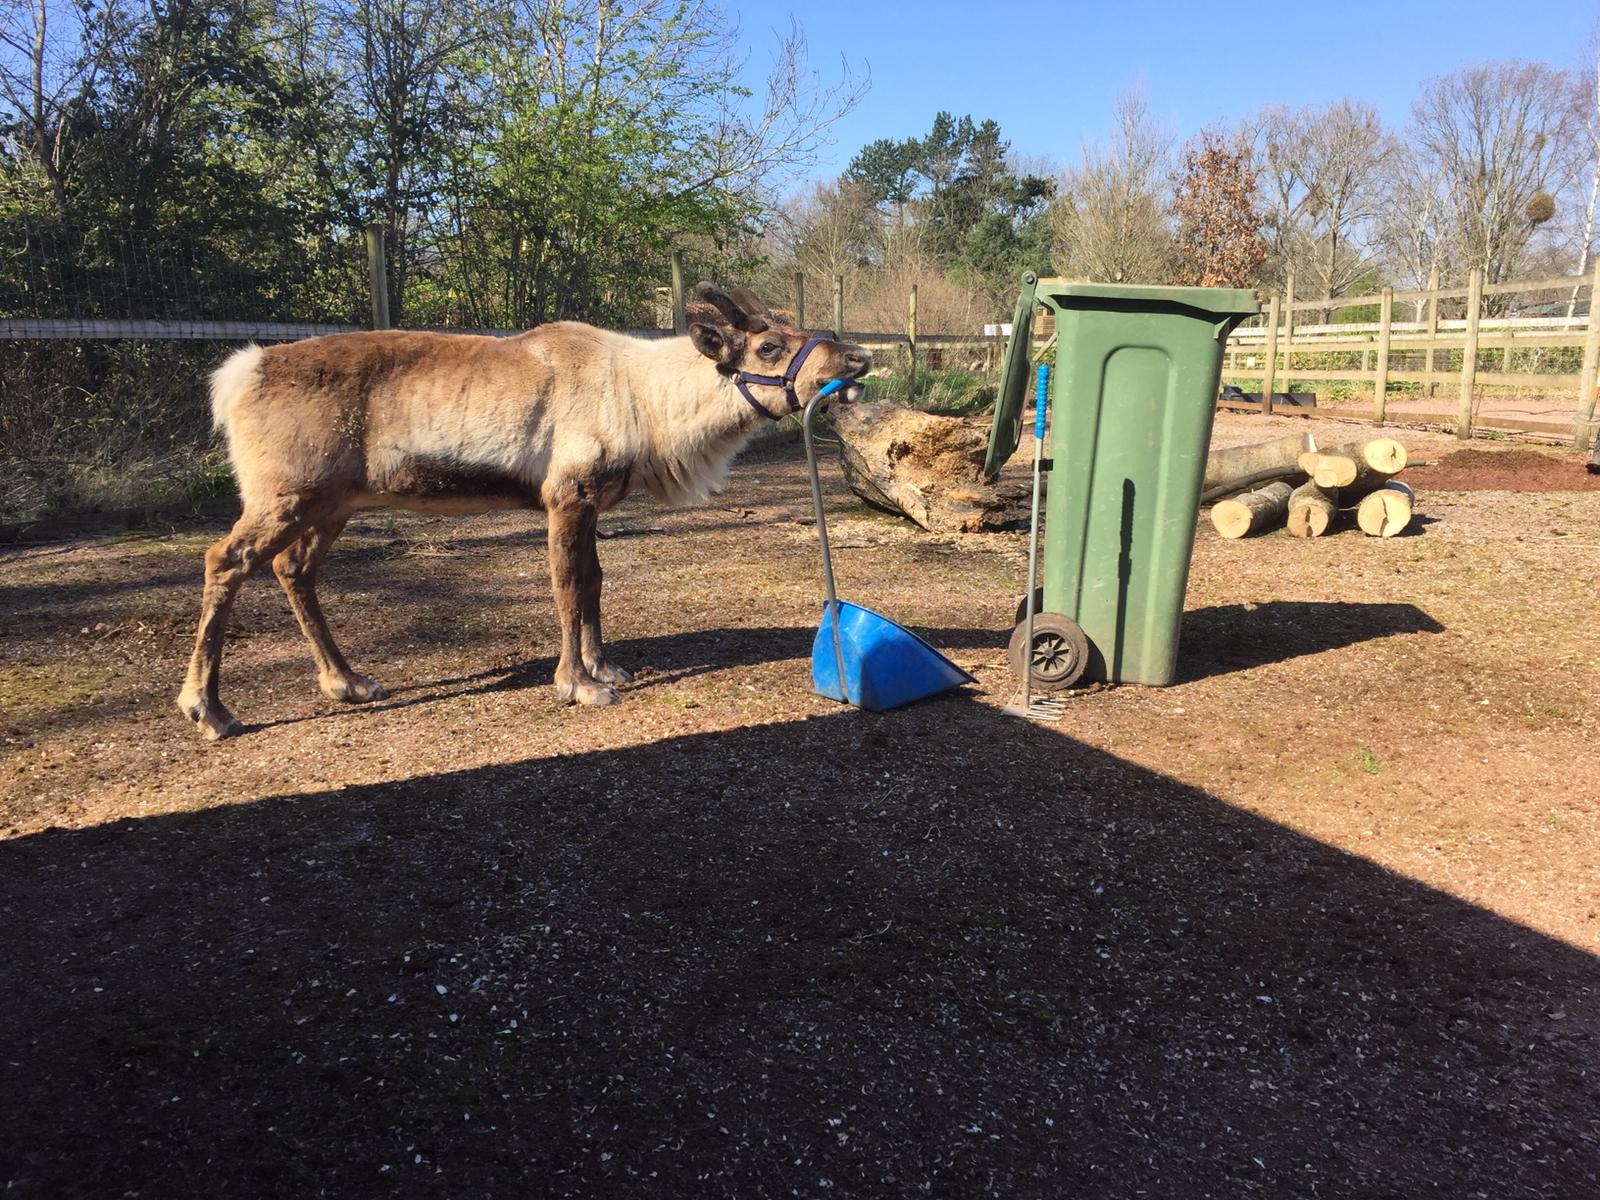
(858, 656)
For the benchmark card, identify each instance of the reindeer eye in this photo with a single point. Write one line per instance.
(770, 349)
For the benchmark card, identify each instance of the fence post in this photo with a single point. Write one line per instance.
(680, 315)
(1380, 380)
(1433, 323)
(1269, 366)
(1469, 354)
(1583, 424)
(911, 343)
(378, 277)
(838, 308)
(1288, 335)
(799, 300)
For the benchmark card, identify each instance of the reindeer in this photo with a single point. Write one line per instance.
(566, 418)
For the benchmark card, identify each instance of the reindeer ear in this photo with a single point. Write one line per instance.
(721, 346)
(738, 316)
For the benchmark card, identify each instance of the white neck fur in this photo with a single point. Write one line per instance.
(690, 420)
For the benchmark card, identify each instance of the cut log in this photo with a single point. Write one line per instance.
(1593, 465)
(1252, 512)
(1238, 468)
(1356, 468)
(1311, 509)
(1383, 455)
(925, 467)
(1387, 511)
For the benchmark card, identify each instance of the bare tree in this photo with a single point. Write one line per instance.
(50, 56)
(1321, 169)
(1587, 100)
(1499, 140)
(1407, 231)
(1111, 222)
(404, 57)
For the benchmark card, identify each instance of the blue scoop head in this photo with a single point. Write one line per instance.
(885, 665)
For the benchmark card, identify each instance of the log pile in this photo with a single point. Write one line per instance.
(1308, 495)
(930, 468)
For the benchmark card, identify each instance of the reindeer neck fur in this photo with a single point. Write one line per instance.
(690, 420)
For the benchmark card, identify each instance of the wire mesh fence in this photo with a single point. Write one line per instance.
(65, 280)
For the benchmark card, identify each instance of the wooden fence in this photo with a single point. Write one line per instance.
(1262, 350)
(1267, 351)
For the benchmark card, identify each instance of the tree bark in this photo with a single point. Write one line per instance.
(1311, 510)
(1239, 467)
(1253, 512)
(925, 467)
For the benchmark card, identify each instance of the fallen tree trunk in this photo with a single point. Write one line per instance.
(925, 467)
(1311, 509)
(1253, 512)
(1237, 468)
(1386, 511)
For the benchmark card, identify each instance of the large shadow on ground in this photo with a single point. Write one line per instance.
(935, 952)
(1236, 637)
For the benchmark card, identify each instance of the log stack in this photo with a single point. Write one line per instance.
(1308, 495)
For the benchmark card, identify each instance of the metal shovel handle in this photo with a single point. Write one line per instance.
(822, 523)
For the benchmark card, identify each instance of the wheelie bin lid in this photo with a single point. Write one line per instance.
(1228, 305)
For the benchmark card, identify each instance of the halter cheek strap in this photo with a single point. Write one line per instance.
(786, 381)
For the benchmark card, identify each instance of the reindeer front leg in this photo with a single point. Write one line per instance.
(594, 653)
(575, 580)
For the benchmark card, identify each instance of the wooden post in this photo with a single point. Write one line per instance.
(680, 317)
(799, 300)
(1583, 426)
(378, 277)
(1380, 378)
(911, 345)
(1433, 321)
(1269, 365)
(838, 308)
(1469, 354)
(1288, 332)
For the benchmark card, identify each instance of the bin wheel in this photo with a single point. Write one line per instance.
(1060, 651)
(1022, 605)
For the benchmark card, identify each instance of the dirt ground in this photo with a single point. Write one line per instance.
(1320, 920)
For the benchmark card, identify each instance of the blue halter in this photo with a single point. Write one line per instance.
(786, 381)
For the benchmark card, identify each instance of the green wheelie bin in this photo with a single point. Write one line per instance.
(1132, 399)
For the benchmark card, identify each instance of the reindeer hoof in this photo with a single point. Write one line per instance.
(215, 721)
(588, 693)
(352, 688)
(610, 673)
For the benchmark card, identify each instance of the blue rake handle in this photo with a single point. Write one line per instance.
(1041, 399)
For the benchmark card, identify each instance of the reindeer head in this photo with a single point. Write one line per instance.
(778, 368)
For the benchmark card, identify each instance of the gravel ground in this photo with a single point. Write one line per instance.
(1320, 920)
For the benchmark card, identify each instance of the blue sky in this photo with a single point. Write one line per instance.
(1050, 80)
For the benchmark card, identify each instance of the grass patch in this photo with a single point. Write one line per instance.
(953, 393)
(1368, 762)
(33, 692)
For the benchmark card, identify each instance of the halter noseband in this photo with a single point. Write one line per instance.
(786, 381)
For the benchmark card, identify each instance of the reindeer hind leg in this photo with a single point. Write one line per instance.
(258, 535)
(296, 567)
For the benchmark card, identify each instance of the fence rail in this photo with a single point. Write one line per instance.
(1406, 352)
(1392, 352)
